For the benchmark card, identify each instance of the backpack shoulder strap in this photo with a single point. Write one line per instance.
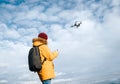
(44, 60)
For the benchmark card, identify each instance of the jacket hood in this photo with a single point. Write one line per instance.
(37, 42)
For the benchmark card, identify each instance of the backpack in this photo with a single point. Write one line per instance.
(34, 59)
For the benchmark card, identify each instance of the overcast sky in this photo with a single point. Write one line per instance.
(94, 47)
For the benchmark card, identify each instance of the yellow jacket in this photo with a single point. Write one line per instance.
(47, 71)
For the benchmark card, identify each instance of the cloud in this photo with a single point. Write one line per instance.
(29, 82)
(95, 44)
(62, 80)
(115, 3)
(3, 81)
(7, 33)
(3, 65)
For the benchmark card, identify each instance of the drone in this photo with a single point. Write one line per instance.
(77, 24)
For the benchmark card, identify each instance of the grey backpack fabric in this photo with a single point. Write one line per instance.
(34, 59)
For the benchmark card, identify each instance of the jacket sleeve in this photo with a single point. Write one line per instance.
(48, 54)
